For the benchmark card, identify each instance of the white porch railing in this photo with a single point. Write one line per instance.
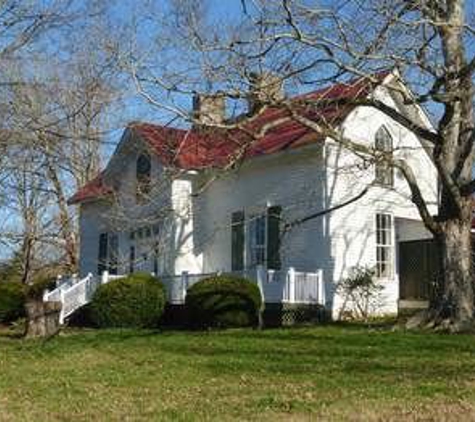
(288, 286)
(76, 293)
(177, 285)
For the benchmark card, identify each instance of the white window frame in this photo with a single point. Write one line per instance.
(384, 240)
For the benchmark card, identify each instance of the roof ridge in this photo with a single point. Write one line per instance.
(381, 75)
(189, 149)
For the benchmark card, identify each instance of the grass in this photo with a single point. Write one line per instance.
(331, 373)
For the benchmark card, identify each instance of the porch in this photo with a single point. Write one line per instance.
(417, 263)
(285, 287)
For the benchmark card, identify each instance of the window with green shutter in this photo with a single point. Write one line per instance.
(273, 237)
(237, 241)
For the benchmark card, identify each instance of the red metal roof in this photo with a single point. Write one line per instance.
(195, 149)
(95, 188)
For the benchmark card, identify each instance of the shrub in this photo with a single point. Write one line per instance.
(134, 301)
(361, 294)
(40, 284)
(11, 270)
(12, 301)
(223, 301)
(82, 317)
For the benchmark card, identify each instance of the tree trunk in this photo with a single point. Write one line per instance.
(456, 301)
(66, 229)
(42, 318)
(451, 305)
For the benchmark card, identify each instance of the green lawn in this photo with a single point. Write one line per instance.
(332, 372)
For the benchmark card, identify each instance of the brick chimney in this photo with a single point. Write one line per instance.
(209, 109)
(265, 88)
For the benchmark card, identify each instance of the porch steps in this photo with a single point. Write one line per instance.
(74, 293)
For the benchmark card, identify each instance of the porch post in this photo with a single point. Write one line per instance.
(261, 274)
(291, 284)
(105, 277)
(321, 288)
(88, 286)
(184, 285)
(61, 314)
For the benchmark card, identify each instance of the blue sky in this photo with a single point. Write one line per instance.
(134, 107)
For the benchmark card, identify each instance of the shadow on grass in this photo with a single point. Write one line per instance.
(332, 358)
(349, 347)
(12, 331)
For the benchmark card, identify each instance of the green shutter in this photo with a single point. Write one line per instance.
(273, 237)
(237, 241)
(131, 259)
(113, 253)
(102, 258)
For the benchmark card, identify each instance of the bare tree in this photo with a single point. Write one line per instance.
(311, 44)
(57, 113)
(28, 228)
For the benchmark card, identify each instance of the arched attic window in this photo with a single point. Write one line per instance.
(143, 175)
(384, 173)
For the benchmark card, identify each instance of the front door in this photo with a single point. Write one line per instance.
(417, 268)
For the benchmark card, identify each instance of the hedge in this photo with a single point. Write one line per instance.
(12, 301)
(135, 301)
(223, 301)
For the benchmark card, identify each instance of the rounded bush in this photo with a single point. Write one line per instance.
(12, 301)
(135, 301)
(223, 301)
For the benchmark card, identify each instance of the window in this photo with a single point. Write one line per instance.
(384, 174)
(103, 253)
(257, 240)
(144, 248)
(108, 256)
(143, 174)
(384, 245)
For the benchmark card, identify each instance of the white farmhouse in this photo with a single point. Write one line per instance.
(170, 202)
